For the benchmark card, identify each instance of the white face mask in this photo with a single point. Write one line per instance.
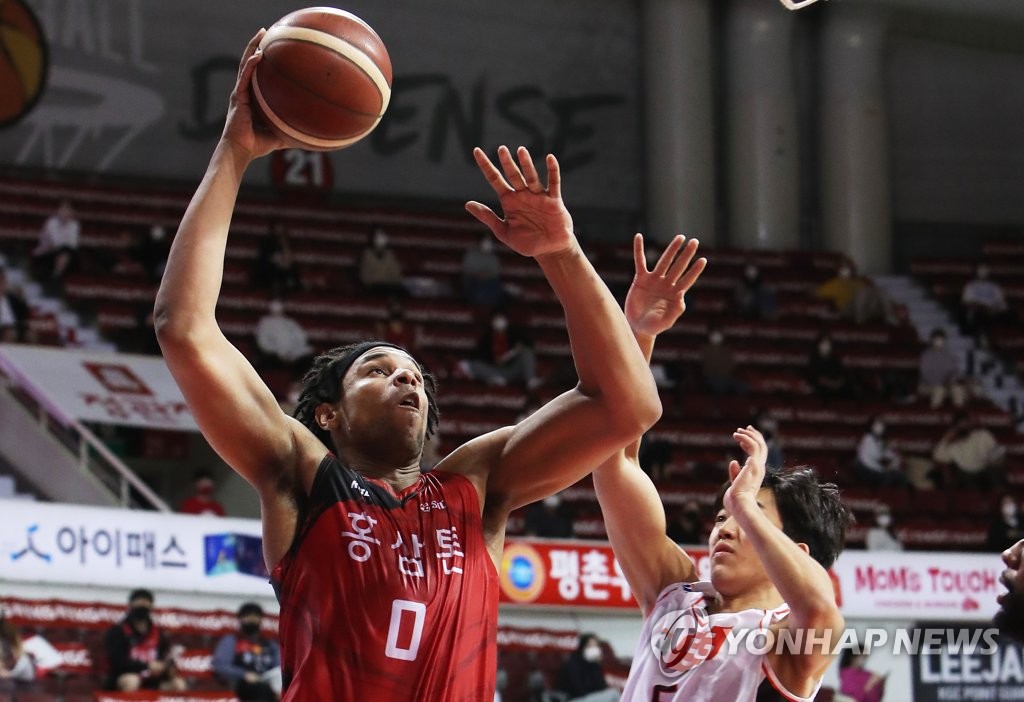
(884, 520)
(877, 428)
(1009, 510)
(824, 348)
(487, 246)
(552, 501)
(939, 342)
(499, 324)
(380, 240)
(592, 654)
(715, 338)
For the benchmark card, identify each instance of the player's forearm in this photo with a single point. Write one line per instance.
(802, 582)
(195, 266)
(608, 360)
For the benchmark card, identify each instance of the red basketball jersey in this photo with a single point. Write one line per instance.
(388, 596)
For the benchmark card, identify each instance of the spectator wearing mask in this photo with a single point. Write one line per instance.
(14, 313)
(981, 302)
(856, 681)
(877, 463)
(752, 298)
(380, 271)
(56, 254)
(275, 263)
(202, 500)
(969, 455)
(396, 330)
(547, 519)
(581, 678)
(249, 661)
(151, 253)
(139, 656)
(504, 355)
(481, 275)
(826, 372)
(1007, 528)
(281, 340)
(940, 373)
(854, 297)
(882, 536)
(718, 366)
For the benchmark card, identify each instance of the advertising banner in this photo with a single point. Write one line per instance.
(72, 544)
(107, 388)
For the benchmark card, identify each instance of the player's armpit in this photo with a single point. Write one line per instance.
(635, 520)
(800, 656)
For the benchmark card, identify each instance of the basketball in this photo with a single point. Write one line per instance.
(23, 61)
(324, 81)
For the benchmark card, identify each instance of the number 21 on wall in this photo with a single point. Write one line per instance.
(401, 612)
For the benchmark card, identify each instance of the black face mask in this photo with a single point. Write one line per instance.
(139, 614)
(250, 628)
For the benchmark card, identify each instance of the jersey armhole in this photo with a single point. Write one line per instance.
(302, 518)
(773, 680)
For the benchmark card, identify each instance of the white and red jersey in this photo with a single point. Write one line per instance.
(686, 655)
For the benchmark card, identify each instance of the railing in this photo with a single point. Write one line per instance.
(92, 457)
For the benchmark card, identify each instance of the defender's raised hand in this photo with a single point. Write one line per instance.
(536, 222)
(746, 480)
(241, 129)
(656, 298)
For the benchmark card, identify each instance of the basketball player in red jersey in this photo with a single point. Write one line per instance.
(775, 534)
(387, 576)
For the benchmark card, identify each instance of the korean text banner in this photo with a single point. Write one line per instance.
(108, 388)
(77, 545)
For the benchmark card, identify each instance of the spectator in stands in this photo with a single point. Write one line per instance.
(151, 252)
(718, 366)
(826, 372)
(582, 677)
(1010, 617)
(14, 313)
(281, 340)
(57, 251)
(878, 464)
(940, 373)
(769, 428)
(982, 302)
(752, 298)
(856, 681)
(15, 663)
(202, 501)
(275, 264)
(395, 330)
(882, 536)
(686, 526)
(503, 355)
(481, 275)
(139, 656)
(969, 455)
(1007, 528)
(380, 271)
(249, 661)
(855, 297)
(547, 519)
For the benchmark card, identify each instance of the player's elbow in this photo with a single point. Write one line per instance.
(638, 413)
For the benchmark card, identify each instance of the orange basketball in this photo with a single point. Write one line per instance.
(324, 81)
(23, 60)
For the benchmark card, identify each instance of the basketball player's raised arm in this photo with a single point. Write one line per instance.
(633, 512)
(235, 411)
(615, 400)
(801, 581)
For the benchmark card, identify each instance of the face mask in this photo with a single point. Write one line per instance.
(380, 240)
(592, 654)
(884, 520)
(1010, 511)
(877, 428)
(487, 246)
(552, 501)
(825, 348)
(750, 272)
(499, 324)
(139, 614)
(938, 342)
(157, 233)
(845, 272)
(716, 338)
(250, 628)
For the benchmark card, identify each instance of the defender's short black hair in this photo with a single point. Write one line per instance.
(322, 383)
(811, 511)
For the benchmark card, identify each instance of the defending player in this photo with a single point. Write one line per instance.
(386, 576)
(774, 535)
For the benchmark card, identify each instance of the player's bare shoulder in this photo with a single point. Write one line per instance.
(475, 459)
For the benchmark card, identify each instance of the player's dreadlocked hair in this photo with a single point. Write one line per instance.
(322, 383)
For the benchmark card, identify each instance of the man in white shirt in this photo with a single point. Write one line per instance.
(281, 338)
(982, 301)
(57, 250)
